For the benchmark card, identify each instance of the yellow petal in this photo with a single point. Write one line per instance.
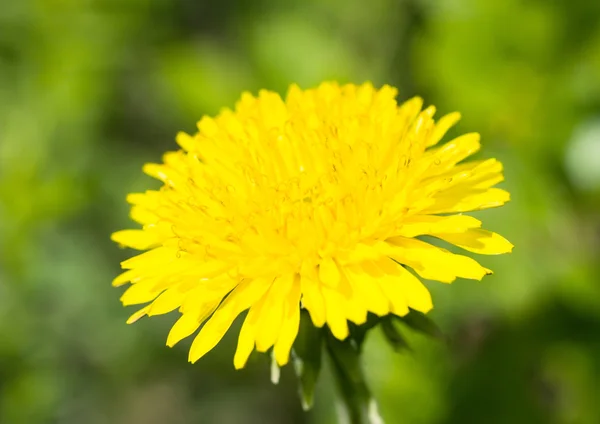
(246, 337)
(168, 301)
(124, 278)
(183, 327)
(421, 127)
(417, 295)
(432, 262)
(479, 241)
(390, 283)
(478, 200)
(448, 155)
(393, 291)
(429, 224)
(211, 290)
(141, 292)
(291, 323)
(334, 311)
(410, 109)
(208, 126)
(370, 293)
(475, 167)
(212, 332)
(166, 174)
(487, 174)
(272, 310)
(149, 199)
(240, 299)
(142, 215)
(442, 127)
(312, 300)
(136, 239)
(459, 181)
(329, 274)
(484, 181)
(361, 252)
(186, 141)
(483, 177)
(189, 322)
(386, 275)
(163, 255)
(137, 315)
(356, 311)
(353, 303)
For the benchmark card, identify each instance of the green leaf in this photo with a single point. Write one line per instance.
(306, 356)
(420, 322)
(392, 335)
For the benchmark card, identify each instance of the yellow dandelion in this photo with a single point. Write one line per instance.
(315, 201)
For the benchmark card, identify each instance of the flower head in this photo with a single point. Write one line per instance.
(314, 201)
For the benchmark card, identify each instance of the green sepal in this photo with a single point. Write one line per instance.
(306, 357)
(358, 333)
(393, 335)
(422, 323)
(358, 403)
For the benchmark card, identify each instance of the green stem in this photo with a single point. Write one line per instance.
(356, 401)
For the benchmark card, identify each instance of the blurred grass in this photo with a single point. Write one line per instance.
(89, 91)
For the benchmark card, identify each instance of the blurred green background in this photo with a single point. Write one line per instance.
(91, 90)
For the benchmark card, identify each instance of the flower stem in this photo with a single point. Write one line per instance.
(356, 403)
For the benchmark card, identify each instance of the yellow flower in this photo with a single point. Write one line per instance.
(314, 201)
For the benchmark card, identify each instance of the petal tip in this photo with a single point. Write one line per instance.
(340, 333)
(137, 315)
(282, 361)
(238, 364)
(121, 279)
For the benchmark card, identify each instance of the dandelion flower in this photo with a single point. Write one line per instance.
(315, 201)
